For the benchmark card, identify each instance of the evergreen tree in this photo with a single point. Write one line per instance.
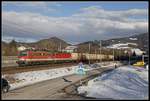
(134, 54)
(12, 48)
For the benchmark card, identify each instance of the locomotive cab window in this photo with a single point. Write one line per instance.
(24, 53)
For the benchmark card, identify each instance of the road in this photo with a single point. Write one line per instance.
(50, 89)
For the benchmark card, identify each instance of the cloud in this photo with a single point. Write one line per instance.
(119, 15)
(88, 24)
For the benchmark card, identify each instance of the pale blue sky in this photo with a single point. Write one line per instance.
(69, 8)
(73, 21)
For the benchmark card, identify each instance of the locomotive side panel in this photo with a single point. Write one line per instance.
(74, 56)
(38, 57)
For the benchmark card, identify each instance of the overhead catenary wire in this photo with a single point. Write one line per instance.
(21, 29)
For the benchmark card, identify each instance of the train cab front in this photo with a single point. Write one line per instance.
(22, 58)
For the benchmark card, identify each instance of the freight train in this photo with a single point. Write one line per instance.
(32, 57)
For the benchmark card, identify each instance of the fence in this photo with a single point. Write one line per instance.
(9, 61)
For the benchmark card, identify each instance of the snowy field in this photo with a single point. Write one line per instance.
(126, 82)
(28, 78)
(121, 45)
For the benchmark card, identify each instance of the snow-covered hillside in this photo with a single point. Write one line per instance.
(126, 46)
(133, 38)
(126, 82)
(121, 45)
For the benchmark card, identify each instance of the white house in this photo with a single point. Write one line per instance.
(70, 49)
(21, 48)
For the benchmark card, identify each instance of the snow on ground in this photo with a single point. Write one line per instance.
(126, 82)
(27, 78)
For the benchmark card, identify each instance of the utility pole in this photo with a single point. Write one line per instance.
(113, 55)
(96, 55)
(119, 55)
(142, 57)
(89, 53)
(60, 47)
(100, 52)
(129, 58)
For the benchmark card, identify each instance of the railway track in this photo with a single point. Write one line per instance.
(17, 69)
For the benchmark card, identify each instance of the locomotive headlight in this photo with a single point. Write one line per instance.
(22, 59)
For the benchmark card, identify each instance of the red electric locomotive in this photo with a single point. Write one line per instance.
(32, 57)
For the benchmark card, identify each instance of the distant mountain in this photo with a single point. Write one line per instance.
(84, 47)
(4, 47)
(92, 47)
(141, 41)
(52, 43)
(9, 49)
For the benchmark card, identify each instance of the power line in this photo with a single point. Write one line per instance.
(20, 27)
